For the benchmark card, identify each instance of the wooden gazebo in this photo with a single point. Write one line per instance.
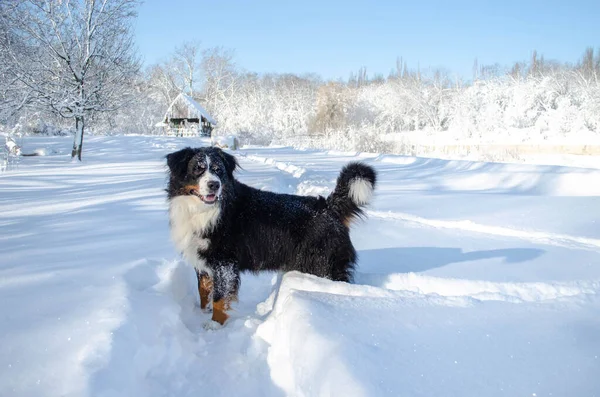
(186, 117)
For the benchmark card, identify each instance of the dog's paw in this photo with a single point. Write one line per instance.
(211, 325)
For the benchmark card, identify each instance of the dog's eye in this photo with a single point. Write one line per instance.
(199, 168)
(215, 168)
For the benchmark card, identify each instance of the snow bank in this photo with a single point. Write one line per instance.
(152, 335)
(331, 338)
(480, 289)
(445, 145)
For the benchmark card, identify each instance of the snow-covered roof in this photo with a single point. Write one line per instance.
(192, 109)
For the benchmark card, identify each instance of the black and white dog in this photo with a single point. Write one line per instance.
(222, 226)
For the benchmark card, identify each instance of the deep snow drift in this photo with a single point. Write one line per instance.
(474, 279)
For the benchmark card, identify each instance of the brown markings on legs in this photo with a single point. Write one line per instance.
(221, 307)
(205, 287)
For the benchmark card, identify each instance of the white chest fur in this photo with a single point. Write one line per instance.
(189, 218)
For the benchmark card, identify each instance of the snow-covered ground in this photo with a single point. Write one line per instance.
(474, 279)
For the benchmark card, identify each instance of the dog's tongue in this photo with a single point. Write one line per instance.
(210, 198)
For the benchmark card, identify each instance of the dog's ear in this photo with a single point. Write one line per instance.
(230, 162)
(178, 161)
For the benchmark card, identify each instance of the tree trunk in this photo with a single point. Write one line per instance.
(78, 142)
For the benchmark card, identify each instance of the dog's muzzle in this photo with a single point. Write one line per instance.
(209, 198)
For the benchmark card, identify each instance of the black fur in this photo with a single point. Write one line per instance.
(261, 230)
(338, 200)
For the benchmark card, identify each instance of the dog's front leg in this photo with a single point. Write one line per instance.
(205, 289)
(226, 281)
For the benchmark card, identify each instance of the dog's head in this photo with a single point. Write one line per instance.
(200, 173)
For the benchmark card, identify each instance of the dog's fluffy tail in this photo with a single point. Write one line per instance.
(353, 191)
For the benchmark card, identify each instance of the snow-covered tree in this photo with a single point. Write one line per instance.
(186, 65)
(10, 100)
(163, 83)
(74, 57)
(220, 79)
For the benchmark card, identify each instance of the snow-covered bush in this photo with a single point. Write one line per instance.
(11, 148)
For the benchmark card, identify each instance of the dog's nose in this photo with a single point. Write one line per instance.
(213, 185)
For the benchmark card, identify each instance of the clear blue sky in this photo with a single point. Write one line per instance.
(334, 38)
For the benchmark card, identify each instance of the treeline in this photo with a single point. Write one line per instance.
(545, 98)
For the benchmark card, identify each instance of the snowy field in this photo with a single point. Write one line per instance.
(474, 279)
